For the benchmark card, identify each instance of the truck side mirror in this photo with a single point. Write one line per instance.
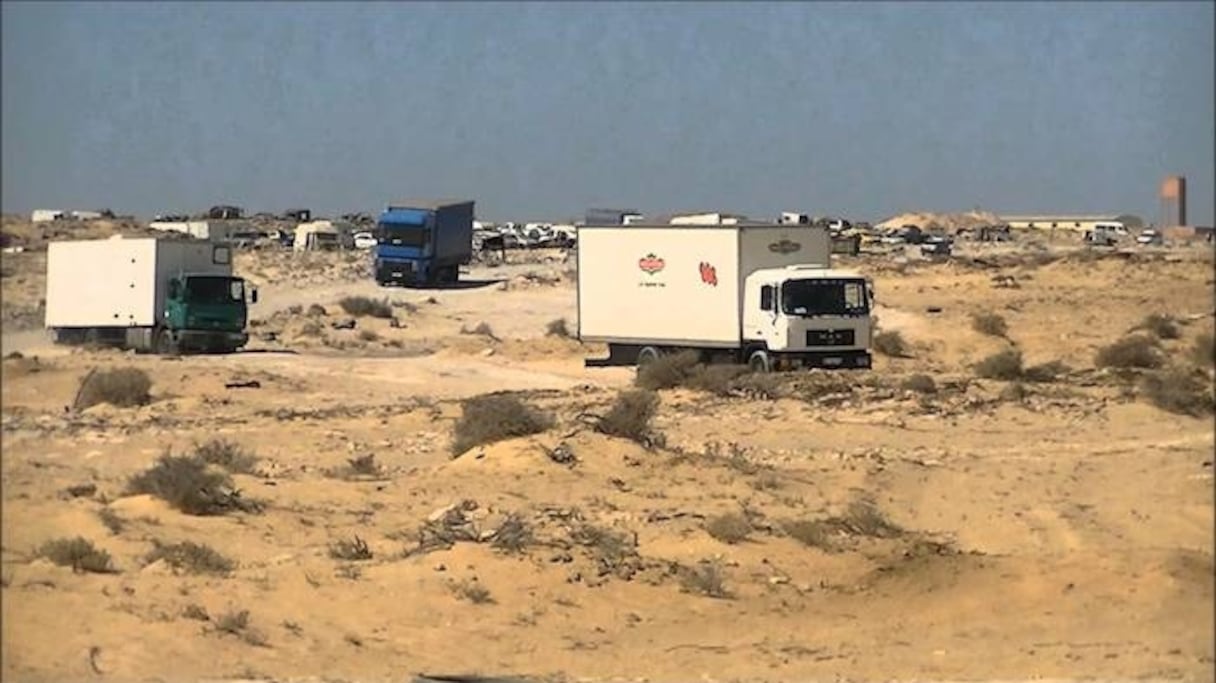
(253, 295)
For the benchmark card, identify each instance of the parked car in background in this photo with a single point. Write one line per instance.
(364, 240)
(1150, 237)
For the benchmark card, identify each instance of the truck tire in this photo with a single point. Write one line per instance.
(647, 355)
(163, 344)
(759, 361)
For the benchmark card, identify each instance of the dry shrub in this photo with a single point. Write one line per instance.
(472, 591)
(1134, 351)
(315, 310)
(192, 557)
(1180, 390)
(188, 484)
(920, 383)
(730, 528)
(236, 623)
(707, 578)
(120, 387)
(78, 553)
(614, 552)
(667, 371)
(368, 335)
(362, 306)
(514, 535)
(557, 328)
(354, 549)
(989, 323)
(491, 418)
(813, 533)
(228, 455)
(1045, 372)
(1163, 326)
(630, 416)
(1003, 365)
(1014, 392)
(111, 520)
(891, 343)
(861, 518)
(1203, 350)
(482, 329)
(361, 466)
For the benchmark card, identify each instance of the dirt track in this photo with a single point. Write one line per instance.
(1060, 531)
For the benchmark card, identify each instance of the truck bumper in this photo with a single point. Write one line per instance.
(399, 272)
(837, 360)
(210, 340)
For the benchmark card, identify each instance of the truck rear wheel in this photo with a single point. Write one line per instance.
(647, 355)
(759, 361)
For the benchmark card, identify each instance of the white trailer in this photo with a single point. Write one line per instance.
(760, 294)
(147, 294)
(212, 231)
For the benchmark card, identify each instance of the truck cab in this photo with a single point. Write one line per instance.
(806, 316)
(205, 312)
(423, 242)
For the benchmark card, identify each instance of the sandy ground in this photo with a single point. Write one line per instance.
(1059, 532)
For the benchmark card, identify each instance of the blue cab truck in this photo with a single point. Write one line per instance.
(423, 242)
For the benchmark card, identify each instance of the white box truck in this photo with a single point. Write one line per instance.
(760, 294)
(162, 295)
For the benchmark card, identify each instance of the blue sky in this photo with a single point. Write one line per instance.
(541, 110)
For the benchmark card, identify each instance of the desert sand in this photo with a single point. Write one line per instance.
(990, 530)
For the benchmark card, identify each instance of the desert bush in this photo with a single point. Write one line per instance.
(295, 309)
(730, 528)
(514, 535)
(891, 343)
(1134, 351)
(356, 467)
(368, 335)
(557, 328)
(989, 323)
(111, 520)
(78, 553)
(350, 549)
(188, 484)
(630, 416)
(667, 371)
(1203, 350)
(120, 387)
(812, 533)
(1003, 365)
(1163, 326)
(195, 612)
(1015, 392)
(1180, 390)
(494, 417)
(920, 383)
(714, 379)
(362, 306)
(472, 591)
(863, 518)
(192, 557)
(482, 329)
(228, 455)
(759, 385)
(236, 623)
(612, 550)
(317, 310)
(1045, 372)
(311, 328)
(707, 578)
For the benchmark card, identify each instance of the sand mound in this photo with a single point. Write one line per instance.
(941, 221)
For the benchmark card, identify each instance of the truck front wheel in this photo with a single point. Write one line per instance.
(164, 344)
(759, 361)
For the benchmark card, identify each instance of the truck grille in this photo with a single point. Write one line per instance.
(829, 338)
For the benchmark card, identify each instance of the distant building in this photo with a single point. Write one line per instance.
(1080, 223)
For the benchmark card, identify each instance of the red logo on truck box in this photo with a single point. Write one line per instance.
(651, 264)
(709, 274)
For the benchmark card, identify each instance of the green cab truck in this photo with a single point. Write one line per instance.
(152, 295)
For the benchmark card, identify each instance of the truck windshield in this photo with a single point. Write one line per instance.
(214, 290)
(402, 235)
(824, 297)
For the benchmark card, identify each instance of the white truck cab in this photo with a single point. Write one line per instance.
(798, 311)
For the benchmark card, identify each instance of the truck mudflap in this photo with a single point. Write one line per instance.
(831, 360)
